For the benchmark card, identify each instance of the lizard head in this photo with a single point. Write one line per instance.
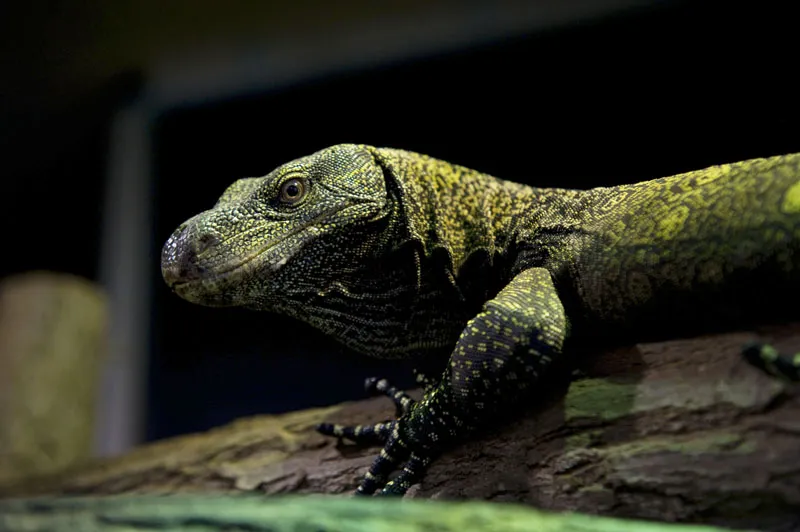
(275, 237)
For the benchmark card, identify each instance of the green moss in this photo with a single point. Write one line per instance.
(599, 398)
(713, 442)
(292, 513)
(583, 439)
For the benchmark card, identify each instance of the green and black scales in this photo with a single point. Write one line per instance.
(400, 255)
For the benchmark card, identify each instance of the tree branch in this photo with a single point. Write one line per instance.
(676, 431)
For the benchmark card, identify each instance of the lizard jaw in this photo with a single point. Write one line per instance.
(232, 284)
(239, 281)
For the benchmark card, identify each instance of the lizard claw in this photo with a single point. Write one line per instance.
(412, 473)
(379, 432)
(394, 453)
(402, 401)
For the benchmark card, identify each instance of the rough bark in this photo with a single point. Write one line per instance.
(676, 431)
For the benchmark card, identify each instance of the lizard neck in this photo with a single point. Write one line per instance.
(447, 243)
(469, 224)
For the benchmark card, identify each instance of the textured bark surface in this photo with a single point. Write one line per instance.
(675, 431)
(52, 346)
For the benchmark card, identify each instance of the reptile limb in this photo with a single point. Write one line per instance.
(510, 344)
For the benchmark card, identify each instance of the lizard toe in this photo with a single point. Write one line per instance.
(368, 434)
(412, 472)
(402, 401)
(387, 461)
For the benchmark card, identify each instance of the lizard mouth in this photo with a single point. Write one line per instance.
(233, 268)
(229, 285)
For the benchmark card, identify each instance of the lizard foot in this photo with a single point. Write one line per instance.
(768, 359)
(378, 432)
(394, 453)
(412, 473)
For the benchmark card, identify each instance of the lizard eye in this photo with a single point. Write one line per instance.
(293, 190)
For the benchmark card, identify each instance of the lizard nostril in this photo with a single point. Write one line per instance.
(179, 257)
(205, 241)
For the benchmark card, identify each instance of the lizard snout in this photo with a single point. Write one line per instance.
(179, 262)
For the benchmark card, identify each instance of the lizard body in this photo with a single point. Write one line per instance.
(400, 255)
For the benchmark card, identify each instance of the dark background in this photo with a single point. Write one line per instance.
(632, 96)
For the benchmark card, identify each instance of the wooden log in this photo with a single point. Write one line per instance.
(52, 345)
(680, 431)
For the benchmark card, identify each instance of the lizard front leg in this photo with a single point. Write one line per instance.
(496, 362)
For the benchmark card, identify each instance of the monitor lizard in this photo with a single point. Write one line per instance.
(401, 255)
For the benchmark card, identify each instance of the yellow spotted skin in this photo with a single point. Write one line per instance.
(486, 282)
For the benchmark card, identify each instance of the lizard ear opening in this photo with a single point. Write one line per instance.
(394, 189)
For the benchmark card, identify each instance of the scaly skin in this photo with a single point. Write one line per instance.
(399, 255)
